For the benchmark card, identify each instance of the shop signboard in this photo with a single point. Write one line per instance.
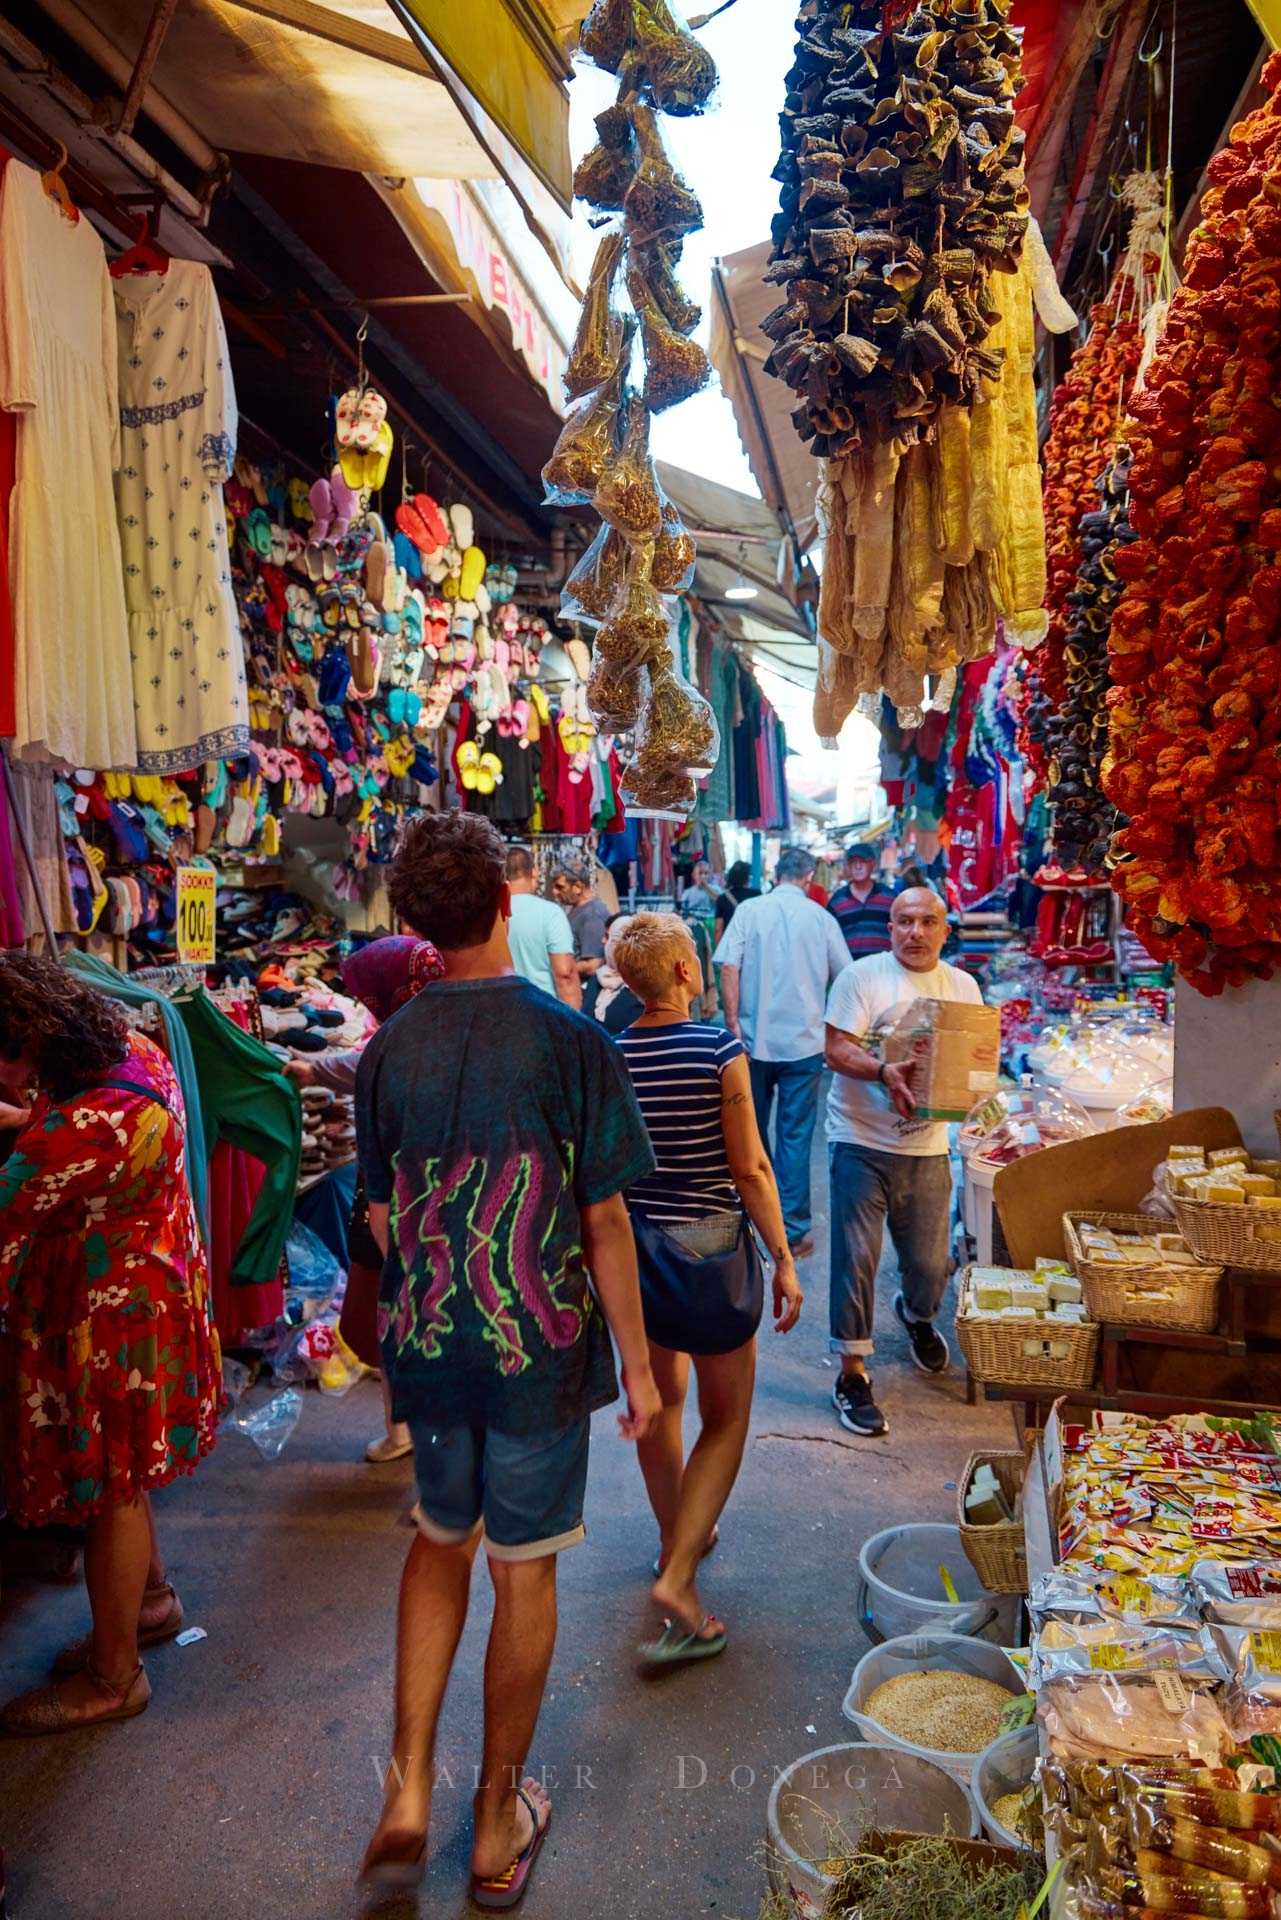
(197, 890)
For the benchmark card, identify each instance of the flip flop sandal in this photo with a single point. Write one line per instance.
(507, 1889)
(676, 1646)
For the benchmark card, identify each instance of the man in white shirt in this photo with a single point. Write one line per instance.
(778, 956)
(539, 934)
(886, 1163)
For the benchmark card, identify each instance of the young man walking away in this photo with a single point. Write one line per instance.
(497, 1130)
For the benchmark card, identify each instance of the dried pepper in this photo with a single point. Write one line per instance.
(1195, 642)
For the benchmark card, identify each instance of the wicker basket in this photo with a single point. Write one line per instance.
(1029, 1353)
(998, 1554)
(1184, 1298)
(1233, 1236)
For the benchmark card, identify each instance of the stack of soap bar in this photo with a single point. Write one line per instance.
(1064, 1289)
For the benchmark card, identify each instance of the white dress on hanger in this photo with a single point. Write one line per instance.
(58, 373)
(178, 443)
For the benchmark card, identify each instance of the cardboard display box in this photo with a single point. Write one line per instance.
(954, 1049)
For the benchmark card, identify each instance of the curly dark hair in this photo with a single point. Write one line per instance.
(447, 880)
(71, 1035)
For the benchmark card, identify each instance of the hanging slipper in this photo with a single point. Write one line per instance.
(407, 554)
(462, 526)
(299, 501)
(345, 504)
(471, 574)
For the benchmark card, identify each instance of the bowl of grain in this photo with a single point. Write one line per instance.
(1009, 1806)
(820, 1806)
(937, 1695)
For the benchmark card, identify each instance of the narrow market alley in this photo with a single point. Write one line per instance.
(252, 1777)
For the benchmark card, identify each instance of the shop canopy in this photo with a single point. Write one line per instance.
(741, 542)
(387, 87)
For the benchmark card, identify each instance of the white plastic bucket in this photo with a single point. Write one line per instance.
(820, 1805)
(901, 1591)
(1005, 1767)
(914, 1653)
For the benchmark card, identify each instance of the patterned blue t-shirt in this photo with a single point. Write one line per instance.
(487, 1116)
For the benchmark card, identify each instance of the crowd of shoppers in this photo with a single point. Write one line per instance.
(554, 1149)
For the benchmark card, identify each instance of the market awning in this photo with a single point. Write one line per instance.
(509, 59)
(783, 467)
(740, 541)
(363, 86)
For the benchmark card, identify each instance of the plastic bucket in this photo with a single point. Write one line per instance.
(1004, 1767)
(900, 1589)
(914, 1653)
(820, 1805)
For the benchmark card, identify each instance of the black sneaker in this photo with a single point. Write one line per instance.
(929, 1348)
(852, 1398)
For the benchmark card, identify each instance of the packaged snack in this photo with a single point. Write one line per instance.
(1109, 1646)
(596, 581)
(1115, 1718)
(1228, 1156)
(658, 203)
(675, 555)
(1248, 1595)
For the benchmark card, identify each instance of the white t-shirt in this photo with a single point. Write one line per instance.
(538, 929)
(861, 1111)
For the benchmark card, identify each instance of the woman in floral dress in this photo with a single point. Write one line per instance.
(109, 1363)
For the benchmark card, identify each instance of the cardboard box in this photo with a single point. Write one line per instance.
(954, 1049)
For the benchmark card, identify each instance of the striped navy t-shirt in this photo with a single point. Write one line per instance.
(676, 1072)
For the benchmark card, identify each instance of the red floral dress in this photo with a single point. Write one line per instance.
(110, 1374)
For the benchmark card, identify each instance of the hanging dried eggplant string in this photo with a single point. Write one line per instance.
(907, 311)
(628, 582)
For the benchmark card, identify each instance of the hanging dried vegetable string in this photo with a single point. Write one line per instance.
(906, 333)
(1195, 643)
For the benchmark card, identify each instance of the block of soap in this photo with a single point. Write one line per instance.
(1225, 1192)
(1255, 1182)
(1271, 1167)
(1029, 1293)
(1228, 1156)
(1193, 1156)
(1017, 1313)
(1073, 1310)
(989, 1298)
(1272, 1200)
(1046, 1267)
(1064, 1288)
(1108, 1257)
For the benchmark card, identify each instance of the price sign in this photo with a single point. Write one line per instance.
(197, 890)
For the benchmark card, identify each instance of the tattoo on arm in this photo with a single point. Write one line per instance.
(737, 1100)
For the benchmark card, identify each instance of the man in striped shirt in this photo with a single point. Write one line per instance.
(862, 905)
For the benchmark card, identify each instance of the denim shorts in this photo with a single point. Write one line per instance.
(525, 1491)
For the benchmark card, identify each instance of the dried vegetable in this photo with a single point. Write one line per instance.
(906, 331)
(1077, 726)
(1195, 644)
(1085, 415)
(643, 556)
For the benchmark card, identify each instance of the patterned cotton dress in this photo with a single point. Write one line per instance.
(109, 1362)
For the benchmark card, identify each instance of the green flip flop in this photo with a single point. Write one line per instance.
(677, 1646)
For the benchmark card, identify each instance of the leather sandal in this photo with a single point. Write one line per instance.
(44, 1710)
(76, 1657)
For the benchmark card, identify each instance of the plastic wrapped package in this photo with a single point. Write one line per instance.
(1239, 1595)
(627, 492)
(1213, 1798)
(602, 178)
(607, 33)
(638, 627)
(675, 555)
(1118, 1717)
(651, 279)
(1014, 1122)
(676, 367)
(678, 727)
(1252, 1656)
(663, 789)
(1224, 1850)
(675, 70)
(587, 440)
(596, 581)
(1075, 1597)
(1111, 1646)
(614, 695)
(602, 335)
(659, 204)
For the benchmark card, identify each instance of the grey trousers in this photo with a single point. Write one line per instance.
(913, 1194)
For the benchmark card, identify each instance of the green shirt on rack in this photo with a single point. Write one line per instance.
(247, 1099)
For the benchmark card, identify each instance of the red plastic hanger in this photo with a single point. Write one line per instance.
(146, 255)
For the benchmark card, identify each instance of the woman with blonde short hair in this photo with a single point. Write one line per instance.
(700, 1271)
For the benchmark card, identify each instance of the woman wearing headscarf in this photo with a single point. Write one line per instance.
(383, 976)
(110, 1374)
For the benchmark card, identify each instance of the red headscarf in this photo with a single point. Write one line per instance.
(387, 973)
